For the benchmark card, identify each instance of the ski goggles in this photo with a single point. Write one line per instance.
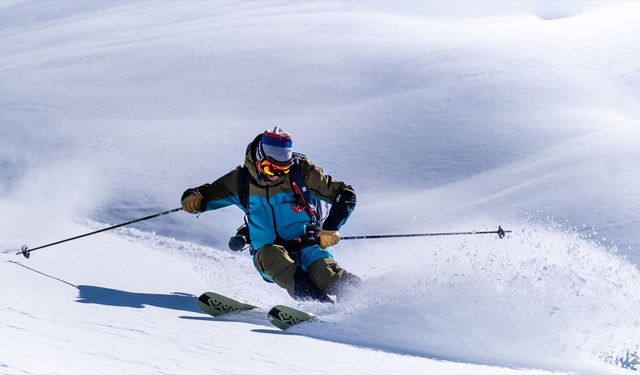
(274, 169)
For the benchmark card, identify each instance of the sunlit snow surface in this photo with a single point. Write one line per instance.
(443, 116)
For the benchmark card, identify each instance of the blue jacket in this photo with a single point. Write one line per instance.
(274, 214)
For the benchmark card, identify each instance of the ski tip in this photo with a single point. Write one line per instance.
(216, 304)
(208, 296)
(285, 317)
(204, 298)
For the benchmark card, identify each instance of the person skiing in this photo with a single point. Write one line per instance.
(281, 193)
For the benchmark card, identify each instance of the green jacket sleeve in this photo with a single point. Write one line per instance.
(220, 193)
(341, 196)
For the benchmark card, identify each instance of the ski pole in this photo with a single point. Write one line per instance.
(500, 232)
(27, 252)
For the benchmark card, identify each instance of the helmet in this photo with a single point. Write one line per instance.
(274, 154)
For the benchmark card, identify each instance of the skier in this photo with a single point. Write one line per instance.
(281, 193)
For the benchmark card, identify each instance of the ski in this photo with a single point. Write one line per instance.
(285, 317)
(217, 305)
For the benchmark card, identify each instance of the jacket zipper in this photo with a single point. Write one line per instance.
(273, 213)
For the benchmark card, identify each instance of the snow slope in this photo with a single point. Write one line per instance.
(444, 117)
(124, 303)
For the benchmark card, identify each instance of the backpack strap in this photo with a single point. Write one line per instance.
(243, 187)
(300, 187)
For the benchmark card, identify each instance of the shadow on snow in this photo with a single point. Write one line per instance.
(114, 297)
(187, 302)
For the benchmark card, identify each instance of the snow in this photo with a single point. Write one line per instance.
(124, 303)
(444, 117)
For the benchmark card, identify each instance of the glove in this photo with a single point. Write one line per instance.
(192, 203)
(328, 238)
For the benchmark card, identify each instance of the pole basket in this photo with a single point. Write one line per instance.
(25, 251)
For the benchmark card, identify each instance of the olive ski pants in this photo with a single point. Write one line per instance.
(275, 264)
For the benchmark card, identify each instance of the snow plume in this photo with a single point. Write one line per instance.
(539, 298)
(61, 189)
(543, 297)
